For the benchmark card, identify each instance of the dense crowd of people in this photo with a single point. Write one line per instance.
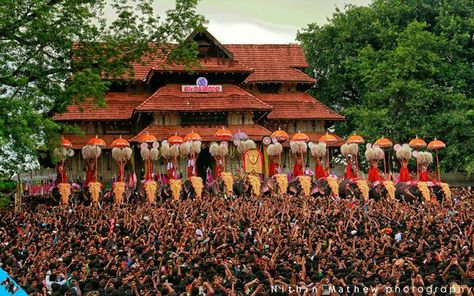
(215, 246)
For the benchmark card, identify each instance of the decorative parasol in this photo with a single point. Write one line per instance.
(327, 138)
(175, 140)
(120, 143)
(384, 143)
(223, 134)
(192, 136)
(437, 145)
(240, 136)
(300, 137)
(146, 138)
(192, 139)
(280, 135)
(65, 143)
(356, 139)
(96, 141)
(417, 143)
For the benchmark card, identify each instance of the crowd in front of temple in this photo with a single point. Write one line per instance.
(278, 245)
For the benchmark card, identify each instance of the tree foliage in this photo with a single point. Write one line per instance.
(54, 53)
(400, 68)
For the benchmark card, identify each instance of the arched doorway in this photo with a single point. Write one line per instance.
(204, 161)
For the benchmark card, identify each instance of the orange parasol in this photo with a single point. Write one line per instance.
(327, 138)
(65, 143)
(417, 143)
(383, 143)
(224, 134)
(175, 140)
(146, 138)
(120, 143)
(437, 145)
(355, 139)
(301, 137)
(96, 141)
(280, 135)
(192, 136)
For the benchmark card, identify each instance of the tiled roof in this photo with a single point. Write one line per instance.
(171, 98)
(314, 137)
(269, 62)
(80, 141)
(297, 105)
(120, 106)
(264, 56)
(206, 65)
(279, 75)
(161, 132)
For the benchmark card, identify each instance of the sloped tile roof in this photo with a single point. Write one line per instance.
(161, 132)
(120, 106)
(264, 56)
(279, 75)
(171, 98)
(297, 105)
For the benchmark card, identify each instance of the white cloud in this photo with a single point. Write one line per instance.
(239, 32)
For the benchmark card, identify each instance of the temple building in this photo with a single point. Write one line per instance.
(252, 88)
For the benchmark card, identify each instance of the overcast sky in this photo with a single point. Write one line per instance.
(262, 21)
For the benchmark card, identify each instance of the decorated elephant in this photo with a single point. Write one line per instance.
(247, 186)
(411, 192)
(301, 186)
(222, 186)
(423, 192)
(358, 188)
(380, 190)
(192, 188)
(325, 187)
(277, 184)
(441, 192)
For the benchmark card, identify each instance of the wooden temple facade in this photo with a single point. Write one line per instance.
(254, 89)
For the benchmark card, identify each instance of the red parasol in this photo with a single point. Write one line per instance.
(327, 138)
(65, 143)
(146, 138)
(280, 135)
(417, 143)
(437, 145)
(192, 136)
(383, 143)
(120, 143)
(96, 141)
(223, 134)
(301, 137)
(175, 140)
(355, 139)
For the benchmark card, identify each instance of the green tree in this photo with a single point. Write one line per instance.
(54, 53)
(400, 68)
